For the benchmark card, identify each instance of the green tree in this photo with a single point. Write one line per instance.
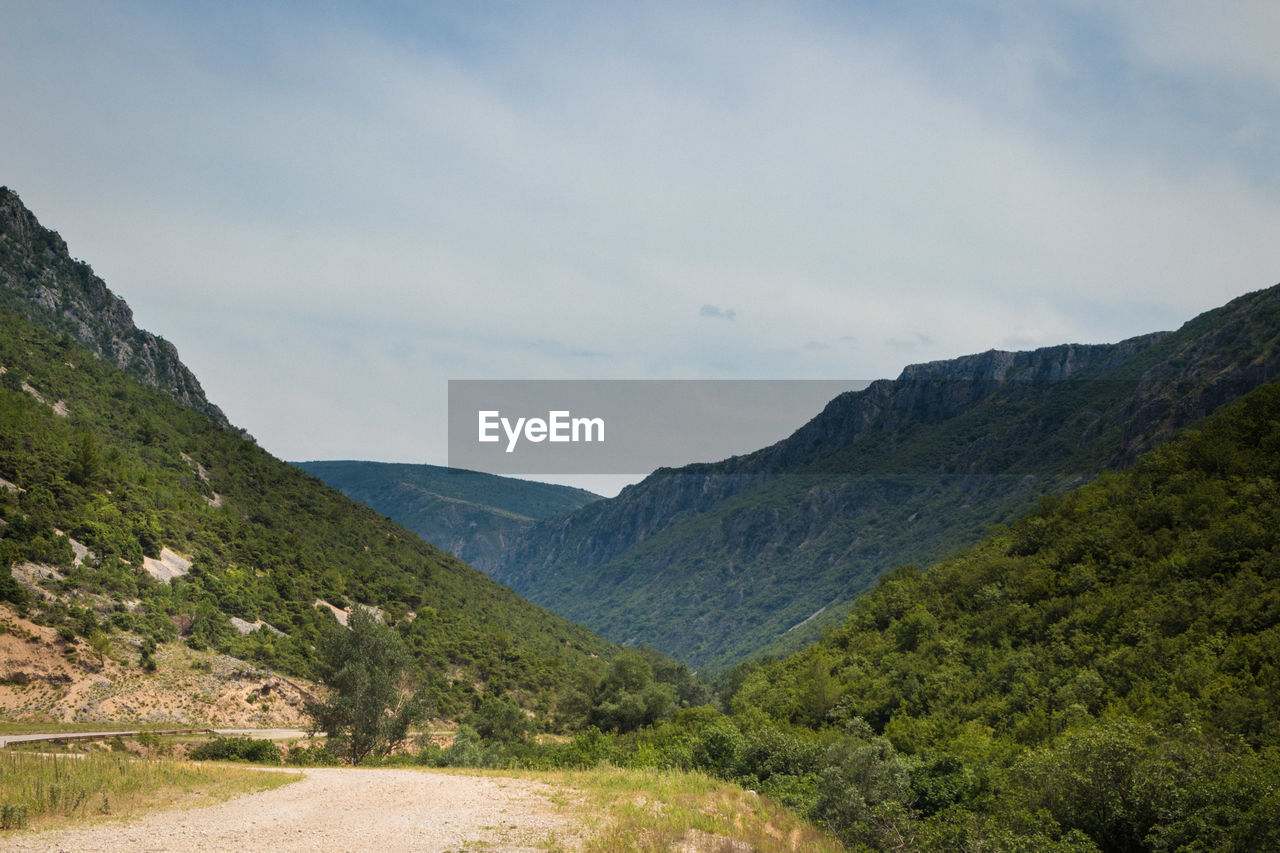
(100, 643)
(366, 666)
(629, 698)
(499, 719)
(86, 466)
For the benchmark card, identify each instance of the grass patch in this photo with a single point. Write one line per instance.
(41, 791)
(659, 810)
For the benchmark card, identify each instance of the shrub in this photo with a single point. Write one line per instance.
(237, 749)
(13, 816)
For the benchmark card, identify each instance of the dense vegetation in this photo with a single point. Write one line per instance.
(1107, 668)
(127, 472)
(1102, 675)
(714, 563)
(469, 514)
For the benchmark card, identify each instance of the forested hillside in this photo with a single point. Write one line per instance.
(714, 563)
(1103, 675)
(1109, 665)
(471, 515)
(90, 457)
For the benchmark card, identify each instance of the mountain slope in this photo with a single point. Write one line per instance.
(712, 563)
(124, 511)
(1109, 665)
(40, 281)
(132, 476)
(471, 515)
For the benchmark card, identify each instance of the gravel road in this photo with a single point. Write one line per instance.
(344, 809)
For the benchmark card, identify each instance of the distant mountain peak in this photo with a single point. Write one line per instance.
(42, 282)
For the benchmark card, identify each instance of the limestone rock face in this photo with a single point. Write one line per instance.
(42, 282)
(714, 562)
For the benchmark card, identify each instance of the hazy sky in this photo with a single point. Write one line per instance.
(333, 208)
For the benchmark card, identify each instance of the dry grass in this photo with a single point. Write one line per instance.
(41, 791)
(623, 810)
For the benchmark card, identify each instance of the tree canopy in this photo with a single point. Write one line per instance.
(372, 707)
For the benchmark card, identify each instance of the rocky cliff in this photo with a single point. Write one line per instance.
(42, 282)
(715, 562)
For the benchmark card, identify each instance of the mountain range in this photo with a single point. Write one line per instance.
(471, 515)
(715, 563)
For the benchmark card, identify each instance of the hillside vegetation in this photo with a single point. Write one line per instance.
(714, 563)
(1103, 674)
(93, 457)
(471, 515)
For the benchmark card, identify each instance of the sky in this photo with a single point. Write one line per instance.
(332, 209)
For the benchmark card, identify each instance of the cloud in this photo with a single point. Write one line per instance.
(910, 342)
(717, 313)
(540, 192)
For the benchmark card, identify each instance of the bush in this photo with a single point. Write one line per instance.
(13, 816)
(717, 748)
(310, 756)
(237, 749)
(498, 719)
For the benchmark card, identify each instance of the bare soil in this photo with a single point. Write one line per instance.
(344, 809)
(44, 679)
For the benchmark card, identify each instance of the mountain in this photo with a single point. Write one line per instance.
(133, 514)
(471, 515)
(40, 281)
(713, 563)
(1101, 675)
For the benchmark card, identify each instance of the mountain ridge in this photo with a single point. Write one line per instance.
(467, 513)
(945, 451)
(132, 517)
(42, 282)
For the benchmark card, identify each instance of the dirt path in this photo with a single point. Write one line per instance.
(341, 809)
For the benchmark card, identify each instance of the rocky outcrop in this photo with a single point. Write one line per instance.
(901, 471)
(42, 282)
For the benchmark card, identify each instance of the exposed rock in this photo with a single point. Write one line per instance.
(782, 538)
(245, 627)
(81, 551)
(33, 573)
(59, 408)
(41, 281)
(338, 613)
(169, 566)
(343, 614)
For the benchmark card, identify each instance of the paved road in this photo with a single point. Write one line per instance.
(267, 734)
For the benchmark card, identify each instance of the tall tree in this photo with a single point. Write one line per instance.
(366, 666)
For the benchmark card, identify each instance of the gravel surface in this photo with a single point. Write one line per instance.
(340, 809)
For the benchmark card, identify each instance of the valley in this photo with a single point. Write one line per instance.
(935, 617)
